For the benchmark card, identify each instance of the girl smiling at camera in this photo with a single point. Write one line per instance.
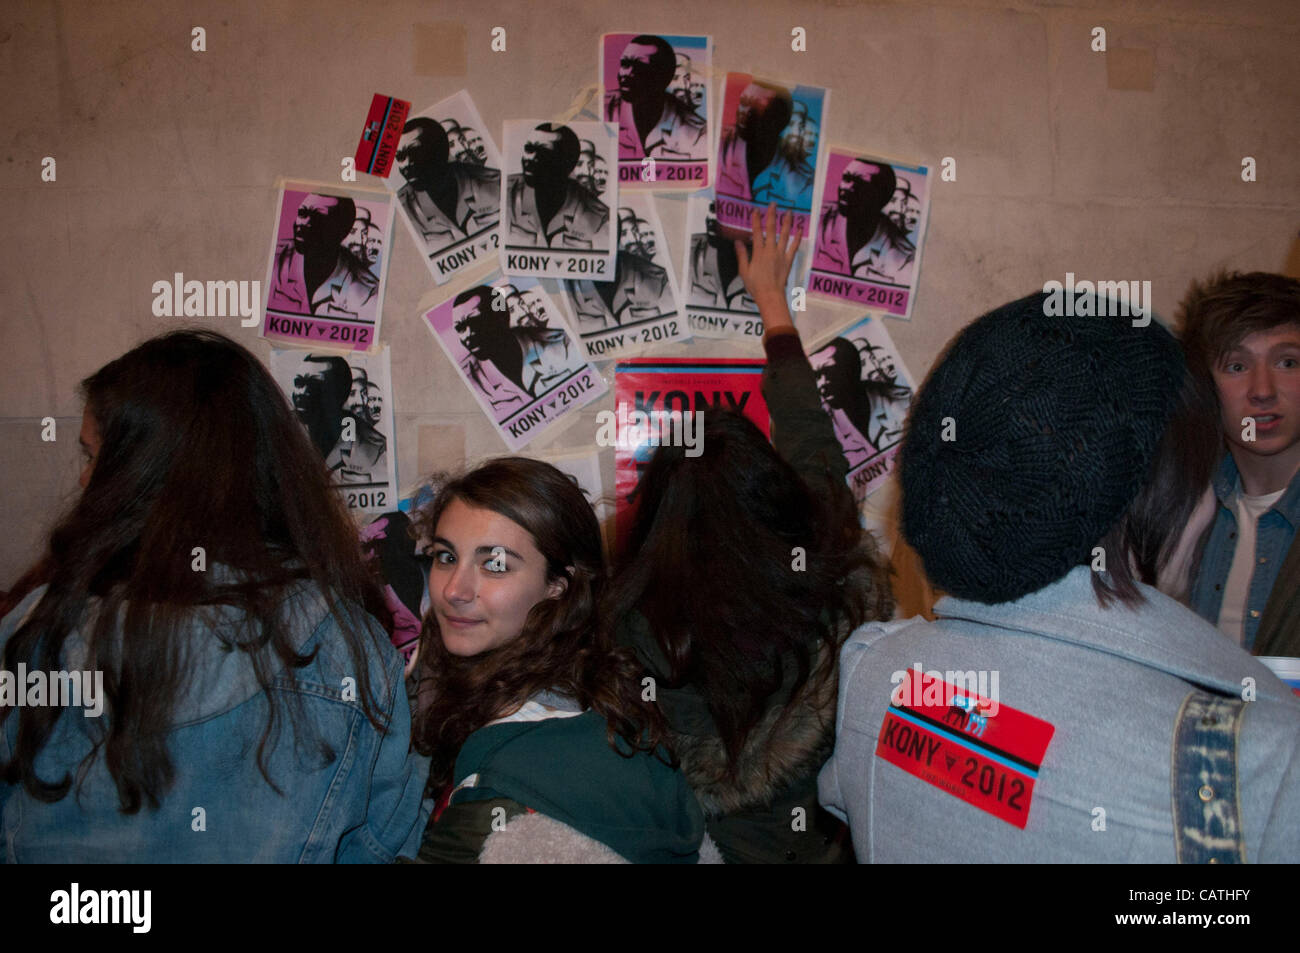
(541, 745)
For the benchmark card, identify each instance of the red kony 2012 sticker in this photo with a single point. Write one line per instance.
(383, 129)
(972, 747)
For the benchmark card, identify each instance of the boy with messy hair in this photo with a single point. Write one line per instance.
(1241, 336)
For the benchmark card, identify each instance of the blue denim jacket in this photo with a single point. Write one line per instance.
(363, 805)
(1273, 538)
(1111, 683)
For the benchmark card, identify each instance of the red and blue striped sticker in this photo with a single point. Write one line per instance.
(976, 749)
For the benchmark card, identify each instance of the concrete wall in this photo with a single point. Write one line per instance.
(1116, 165)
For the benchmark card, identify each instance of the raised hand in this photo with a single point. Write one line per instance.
(766, 270)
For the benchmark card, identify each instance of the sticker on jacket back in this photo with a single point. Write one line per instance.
(970, 746)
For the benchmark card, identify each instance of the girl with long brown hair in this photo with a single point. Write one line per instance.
(239, 699)
(534, 721)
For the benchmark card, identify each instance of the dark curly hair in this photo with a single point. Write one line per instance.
(709, 565)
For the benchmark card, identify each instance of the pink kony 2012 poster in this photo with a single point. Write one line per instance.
(867, 249)
(517, 355)
(656, 88)
(768, 151)
(328, 261)
(867, 392)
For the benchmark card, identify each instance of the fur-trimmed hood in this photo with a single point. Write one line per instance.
(793, 738)
(791, 741)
